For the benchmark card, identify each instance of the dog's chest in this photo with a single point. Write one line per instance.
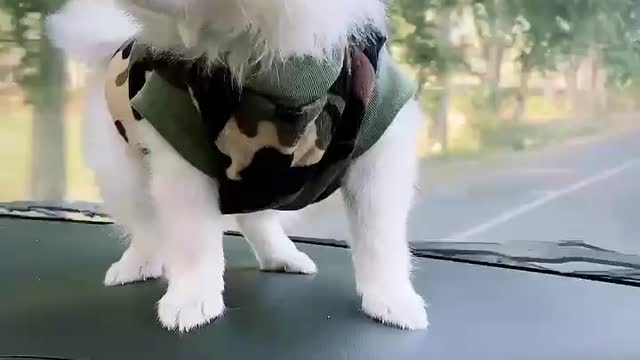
(281, 142)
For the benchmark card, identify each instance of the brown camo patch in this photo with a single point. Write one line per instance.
(121, 79)
(121, 130)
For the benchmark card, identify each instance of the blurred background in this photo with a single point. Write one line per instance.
(531, 128)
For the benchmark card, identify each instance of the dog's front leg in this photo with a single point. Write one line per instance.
(378, 191)
(186, 203)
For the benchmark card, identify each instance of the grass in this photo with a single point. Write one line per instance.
(81, 184)
(15, 127)
(15, 135)
(512, 138)
(475, 133)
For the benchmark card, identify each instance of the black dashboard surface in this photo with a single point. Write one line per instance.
(53, 304)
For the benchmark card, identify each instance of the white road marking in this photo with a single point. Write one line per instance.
(552, 195)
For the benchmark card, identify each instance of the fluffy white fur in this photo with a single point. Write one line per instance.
(254, 31)
(170, 209)
(89, 29)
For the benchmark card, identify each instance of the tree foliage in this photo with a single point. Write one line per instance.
(544, 35)
(417, 28)
(41, 76)
(26, 31)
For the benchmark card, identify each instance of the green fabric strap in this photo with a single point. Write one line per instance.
(172, 113)
(392, 91)
(298, 81)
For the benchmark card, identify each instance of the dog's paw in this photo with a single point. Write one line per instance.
(186, 310)
(295, 262)
(402, 308)
(131, 268)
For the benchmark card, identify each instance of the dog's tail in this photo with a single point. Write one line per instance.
(90, 30)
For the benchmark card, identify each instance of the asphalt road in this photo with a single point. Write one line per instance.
(588, 190)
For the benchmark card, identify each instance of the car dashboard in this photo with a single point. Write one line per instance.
(54, 306)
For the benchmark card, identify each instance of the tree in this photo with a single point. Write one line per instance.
(423, 28)
(496, 23)
(553, 34)
(620, 45)
(541, 31)
(602, 32)
(42, 78)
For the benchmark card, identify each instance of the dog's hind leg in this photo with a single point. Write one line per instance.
(123, 182)
(272, 247)
(378, 192)
(127, 201)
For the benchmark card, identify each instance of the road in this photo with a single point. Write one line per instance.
(587, 190)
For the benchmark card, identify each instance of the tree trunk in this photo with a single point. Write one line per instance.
(573, 97)
(428, 126)
(593, 88)
(420, 78)
(598, 91)
(523, 92)
(442, 116)
(495, 53)
(48, 162)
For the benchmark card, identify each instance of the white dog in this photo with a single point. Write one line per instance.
(172, 206)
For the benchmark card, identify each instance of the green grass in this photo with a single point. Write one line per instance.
(81, 185)
(15, 132)
(15, 135)
(507, 137)
(486, 133)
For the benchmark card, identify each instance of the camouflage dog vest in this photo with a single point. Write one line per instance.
(283, 140)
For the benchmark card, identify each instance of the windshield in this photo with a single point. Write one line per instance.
(529, 147)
